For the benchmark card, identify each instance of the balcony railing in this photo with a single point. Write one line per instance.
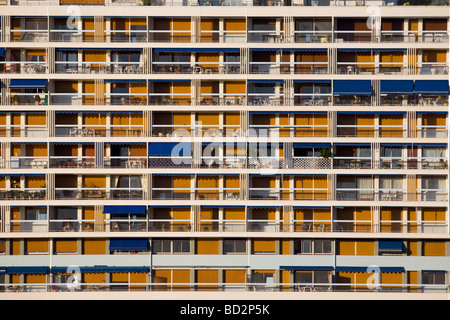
(28, 130)
(74, 67)
(412, 163)
(289, 194)
(289, 67)
(29, 35)
(136, 162)
(197, 67)
(28, 162)
(22, 193)
(72, 162)
(196, 194)
(266, 36)
(371, 131)
(24, 67)
(99, 193)
(66, 130)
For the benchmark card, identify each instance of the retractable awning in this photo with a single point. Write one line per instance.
(311, 145)
(352, 87)
(128, 244)
(390, 246)
(396, 86)
(28, 83)
(169, 148)
(125, 209)
(27, 270)
(304, 268)
(431, 87)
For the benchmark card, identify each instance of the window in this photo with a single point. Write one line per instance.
(36, 214)
(322, 246)
(170, 246)
(309, 246)
(234, 246)
(433, 277)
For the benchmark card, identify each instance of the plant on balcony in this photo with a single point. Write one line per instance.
(325, 153)
(27, 101)
(16, 99)
(37, 99)
(147, 2)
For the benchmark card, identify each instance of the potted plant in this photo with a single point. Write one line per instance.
(325, 153)
(37, 99)
(27, 101)
(16, 99)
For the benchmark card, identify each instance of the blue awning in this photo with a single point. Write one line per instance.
(369, 269)
(27, 270)
(431, 87)
(352, 87)
(128, 244)
(2, 51)
(28, 83)
(352, 144)
(125, 209)
(390, 246)
(396, 86)
(306, 268)
(169, 148)
(311, 145)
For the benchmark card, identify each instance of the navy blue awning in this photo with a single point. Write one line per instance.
(169, 148)
(125, 209)
(390, 246)
(28, 83)
(369, 269)
(396, 86)
(102, 269)
(2, 51)
(128, 244)
(27, 270)
(431, 87)
(311, 145)
(352, 87)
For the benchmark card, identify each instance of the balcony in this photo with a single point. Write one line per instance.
(100, 67)
(23, 193)
(98, 193)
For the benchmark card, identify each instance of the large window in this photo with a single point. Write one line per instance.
(310, 246)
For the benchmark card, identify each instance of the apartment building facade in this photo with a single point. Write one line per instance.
(224, 147)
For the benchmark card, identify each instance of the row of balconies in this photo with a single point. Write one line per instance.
(315, 93)
(231, 219)
(226, 30)
(187, 187)
(209, 3)
(227, 61)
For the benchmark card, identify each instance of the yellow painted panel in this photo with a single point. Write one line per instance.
(36, 278)
(36, 150)
(35, 119)
(208, 118)
(119, 277)
(182, 118)
(63, 246)
(207, 246)
(234, 276)
(37, 245)
(365, 248)
(433, 248)
(181, 276)
(95, 181)
(207, 182)
(35, 182)
(391, 278)
(235, 24)
(94, 119)
(94, 246)
(234, 87)
(94, 278)
(234, 214)
(264, 245)
(347, 247)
